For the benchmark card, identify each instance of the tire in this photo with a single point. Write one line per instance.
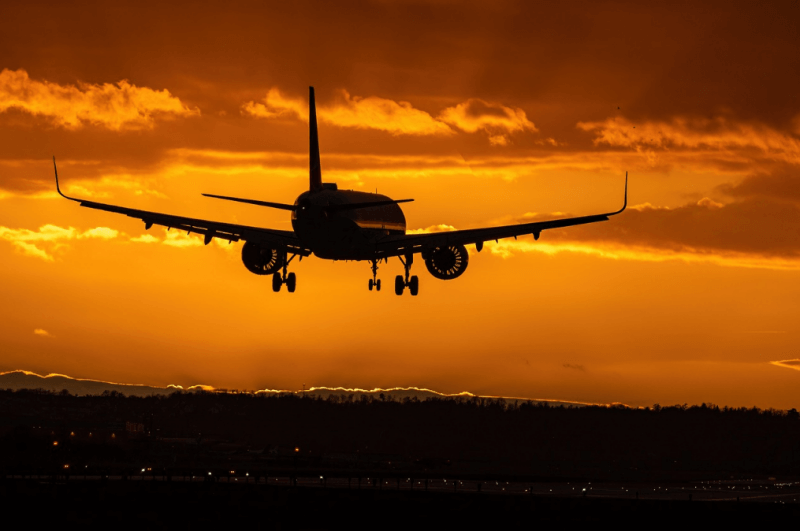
(378, 284)
(277, 282)
(291, 282)
(413, 285)
(399, 285)
(370, 284)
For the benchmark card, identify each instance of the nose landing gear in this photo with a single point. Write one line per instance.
(279, 279)
(411, 283)
(374, 282)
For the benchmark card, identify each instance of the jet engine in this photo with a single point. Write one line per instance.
(447, 263)
(261, 259)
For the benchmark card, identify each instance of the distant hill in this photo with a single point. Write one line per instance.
(57, 382)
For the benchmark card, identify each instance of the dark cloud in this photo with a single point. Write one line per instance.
(782, 184)
(752, 226)
(651, 59)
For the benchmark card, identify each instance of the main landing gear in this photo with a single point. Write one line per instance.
(401, 283)
(374, 282)
(279, 279)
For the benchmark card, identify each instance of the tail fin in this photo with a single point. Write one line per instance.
(315, 171)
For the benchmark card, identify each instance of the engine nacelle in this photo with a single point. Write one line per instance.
(261, 259)
(447, 263)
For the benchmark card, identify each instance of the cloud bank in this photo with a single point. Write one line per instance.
(399, 117)
(113, 106)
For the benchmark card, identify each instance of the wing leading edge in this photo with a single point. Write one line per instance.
(414, 243)
(209, 229)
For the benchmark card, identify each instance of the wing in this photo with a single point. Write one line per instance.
(415, 243)
(209, 229)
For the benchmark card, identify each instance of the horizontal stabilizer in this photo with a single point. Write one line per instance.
(281, 206)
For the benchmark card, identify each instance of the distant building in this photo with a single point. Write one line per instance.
(134, 427)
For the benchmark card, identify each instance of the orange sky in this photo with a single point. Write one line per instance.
(484, 113)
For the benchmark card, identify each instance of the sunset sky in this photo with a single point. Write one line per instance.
(483, 112)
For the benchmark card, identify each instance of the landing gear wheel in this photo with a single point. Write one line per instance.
(291, 282)
(413, 285)
(277, 282)
(399, 284)
(371, 284)
(378, 284)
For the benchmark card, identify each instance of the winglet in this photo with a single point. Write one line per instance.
(58, 188)
(625, 204)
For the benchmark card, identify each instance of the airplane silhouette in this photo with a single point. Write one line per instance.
(343, 225)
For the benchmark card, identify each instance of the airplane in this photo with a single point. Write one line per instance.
(338, 224)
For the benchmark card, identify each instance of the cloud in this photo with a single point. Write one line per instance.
(755, 228)
(43, 333)
(145, 238)
(28, 241)
(201, 387)
(276, 105)
(574, 367)
(717, 134)
(782, 184)
(432, 229)
(175, 238)
(29, 249)
(400, 118)
(788, 364)
(113, 106)
(397, 118)
(103, 233)
(497, 120)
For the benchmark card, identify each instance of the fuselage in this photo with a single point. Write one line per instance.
(344, 234)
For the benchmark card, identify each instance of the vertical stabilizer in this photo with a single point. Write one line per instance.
(315, 172)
